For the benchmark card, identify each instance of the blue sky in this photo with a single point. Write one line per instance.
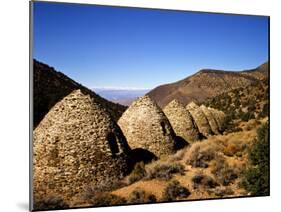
(139, 48)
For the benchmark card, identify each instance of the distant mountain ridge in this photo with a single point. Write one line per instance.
(50, 86)
(206, 83)
(121, 96)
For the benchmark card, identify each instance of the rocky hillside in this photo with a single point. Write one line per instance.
(50, 86)
(245, 103)
(205, 84)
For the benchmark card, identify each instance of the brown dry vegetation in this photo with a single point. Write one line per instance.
(212, 167)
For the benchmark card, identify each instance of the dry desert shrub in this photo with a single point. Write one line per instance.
(140, 196)
(223, 172)
(50, 203)
(106, 199)
(231, 149)
(164, 170)
(106, 185)
(160, 170)
(251, 124)
(178, 156)
(175, 191)
(223, 191)
(199, 154)
(203, 180)
(137, 174)
(93, 194)
(235, 147)
(234, 144)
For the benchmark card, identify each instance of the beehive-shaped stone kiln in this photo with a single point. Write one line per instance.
(200, 119)
(181, 121)
(145, 126)
(75, 145)
(219, 117)
(211, 119)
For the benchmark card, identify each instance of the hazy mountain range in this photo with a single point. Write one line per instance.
(124, 96)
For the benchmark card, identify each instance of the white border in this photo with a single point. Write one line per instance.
(14, 104)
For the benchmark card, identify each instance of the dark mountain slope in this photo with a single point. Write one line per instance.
(50, 86)
(205, 84)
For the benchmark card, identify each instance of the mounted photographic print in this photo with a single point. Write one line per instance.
(136, 105)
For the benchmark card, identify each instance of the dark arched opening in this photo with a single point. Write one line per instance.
(111, 139)
(163, 128)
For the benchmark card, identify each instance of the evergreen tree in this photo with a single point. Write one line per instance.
(256, 179)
